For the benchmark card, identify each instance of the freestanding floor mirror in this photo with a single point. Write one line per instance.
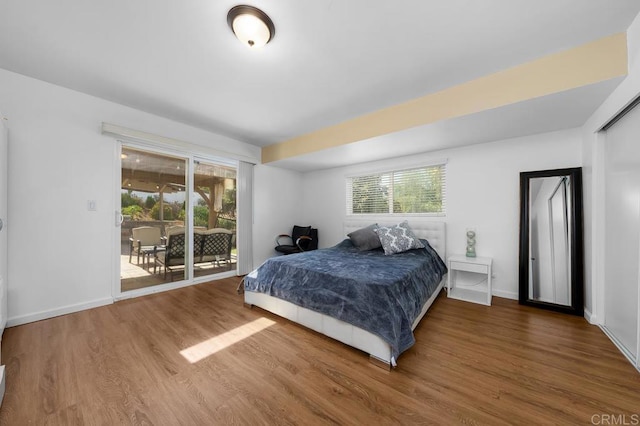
(551, 240)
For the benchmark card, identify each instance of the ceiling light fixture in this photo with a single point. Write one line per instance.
(251, 25)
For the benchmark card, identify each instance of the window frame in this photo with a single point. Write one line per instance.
(390, 171)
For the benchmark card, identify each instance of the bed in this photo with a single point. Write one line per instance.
(316, 290)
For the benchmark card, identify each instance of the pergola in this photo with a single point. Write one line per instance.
(154, 173)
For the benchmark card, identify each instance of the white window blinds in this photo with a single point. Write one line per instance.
(418, 190)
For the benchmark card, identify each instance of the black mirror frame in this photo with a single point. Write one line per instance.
(577, 244)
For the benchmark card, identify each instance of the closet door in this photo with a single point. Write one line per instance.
(3, 225)
(622, 215)
(3, 241)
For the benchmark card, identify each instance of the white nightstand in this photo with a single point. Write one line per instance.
(472, 287)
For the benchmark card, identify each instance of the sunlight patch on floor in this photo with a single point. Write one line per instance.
(209, 347)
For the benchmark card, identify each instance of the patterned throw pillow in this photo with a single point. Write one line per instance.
(398, 238)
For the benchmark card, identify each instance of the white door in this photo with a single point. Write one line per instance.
(622, 212)
(3, 225)
(3, 240)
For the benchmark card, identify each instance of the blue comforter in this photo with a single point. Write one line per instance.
(378, 293)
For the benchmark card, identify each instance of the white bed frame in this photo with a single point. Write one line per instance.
(378, 350)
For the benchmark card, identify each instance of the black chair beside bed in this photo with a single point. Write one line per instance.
(302, 238)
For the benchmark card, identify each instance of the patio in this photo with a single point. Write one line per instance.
(134, 276)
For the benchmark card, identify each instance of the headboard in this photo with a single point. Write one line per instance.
(432, 231)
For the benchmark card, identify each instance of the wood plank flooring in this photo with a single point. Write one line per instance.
(472, 364)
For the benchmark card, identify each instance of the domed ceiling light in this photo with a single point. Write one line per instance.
(251, 25)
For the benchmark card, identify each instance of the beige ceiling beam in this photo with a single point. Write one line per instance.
(590, 63)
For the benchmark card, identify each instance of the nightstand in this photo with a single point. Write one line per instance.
(470, 279)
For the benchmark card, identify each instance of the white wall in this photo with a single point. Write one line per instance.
(279, 204)
(60, 254)
(482, 193)
(588, 220)
(633, 43)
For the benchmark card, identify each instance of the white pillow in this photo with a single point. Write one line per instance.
(398, 238)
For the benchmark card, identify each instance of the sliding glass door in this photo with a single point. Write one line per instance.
(153, 237)
(178, 218)
(214, 217)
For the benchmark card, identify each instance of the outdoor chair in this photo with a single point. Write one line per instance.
(216, 246)
(143, 241)
(173, 253)
(302, 238)
(209, 246)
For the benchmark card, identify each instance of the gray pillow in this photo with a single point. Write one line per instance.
(365, 238)
(398, 238)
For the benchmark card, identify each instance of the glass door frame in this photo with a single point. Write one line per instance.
(212, 160)
(190, 158)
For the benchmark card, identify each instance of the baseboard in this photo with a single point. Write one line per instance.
(592, 319)
(69, 309)
(504, 294)
(620, 347)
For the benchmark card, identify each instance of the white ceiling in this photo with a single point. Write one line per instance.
(329, 61)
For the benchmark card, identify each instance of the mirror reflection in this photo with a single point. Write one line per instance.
(549, 240)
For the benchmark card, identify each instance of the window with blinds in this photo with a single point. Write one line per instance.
(420, 190)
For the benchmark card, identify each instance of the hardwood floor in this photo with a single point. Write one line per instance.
(472, 364)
